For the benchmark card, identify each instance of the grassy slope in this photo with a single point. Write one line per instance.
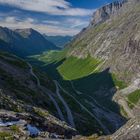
(51, 56)
(75, 68)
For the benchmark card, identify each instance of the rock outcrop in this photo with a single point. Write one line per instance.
(26, 125)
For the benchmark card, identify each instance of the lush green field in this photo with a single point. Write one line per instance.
(49, 57)
(75, 68)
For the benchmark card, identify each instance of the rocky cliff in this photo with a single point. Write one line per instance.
(113, 36)
(104, 13)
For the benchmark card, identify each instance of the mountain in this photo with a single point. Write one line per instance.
(59, 41)
(113, 38)
(96, 87)
(25, 42)
(99, 69)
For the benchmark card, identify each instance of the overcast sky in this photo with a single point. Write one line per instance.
(52, 17)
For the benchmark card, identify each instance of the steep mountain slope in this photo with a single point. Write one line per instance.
(112, 36)
(24, 42)
(59, 41)
(128, 131)
(31, 102)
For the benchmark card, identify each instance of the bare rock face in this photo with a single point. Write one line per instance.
(104, 13)
(132, 46)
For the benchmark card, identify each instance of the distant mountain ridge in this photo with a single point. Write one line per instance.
(59, 41)
(25, 42)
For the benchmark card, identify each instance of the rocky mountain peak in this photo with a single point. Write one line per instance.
(104, 13)
(26, 32)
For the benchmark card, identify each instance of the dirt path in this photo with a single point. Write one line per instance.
(33, 74)
(61, 116)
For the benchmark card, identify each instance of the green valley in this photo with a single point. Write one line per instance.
(81, 86)
(81, 80)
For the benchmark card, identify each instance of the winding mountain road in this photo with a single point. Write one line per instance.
(69, 114)
(34, 75)
(68, 110)
(46, 91)
(61, 116)
(50, 94)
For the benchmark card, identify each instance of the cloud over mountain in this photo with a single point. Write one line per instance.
(53, 7)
